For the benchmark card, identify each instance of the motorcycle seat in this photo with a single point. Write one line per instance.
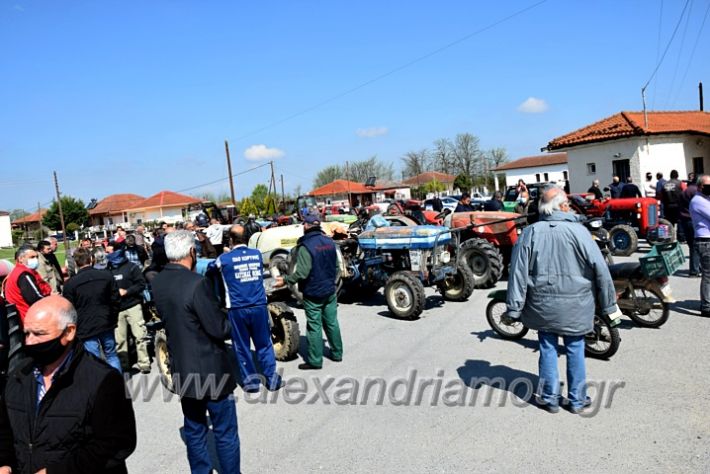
(625, 270)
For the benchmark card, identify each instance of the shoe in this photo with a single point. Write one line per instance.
(694, 275)
(336, 359)
(577, 411)
(546, 406)
(705, 314)
(307, 366)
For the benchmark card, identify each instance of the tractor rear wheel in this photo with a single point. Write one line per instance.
(285, 335)
(405, 295)
(624, 240)
(484, 260)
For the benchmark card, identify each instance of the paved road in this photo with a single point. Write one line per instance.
(657, 419)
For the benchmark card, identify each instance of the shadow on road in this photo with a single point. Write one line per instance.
(479, 373)
(687, 307)
(490, 333)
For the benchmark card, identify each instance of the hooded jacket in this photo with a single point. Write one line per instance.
(558, 277)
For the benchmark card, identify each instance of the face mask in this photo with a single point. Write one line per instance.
(706, 189)
(32, 263)
(46, 352)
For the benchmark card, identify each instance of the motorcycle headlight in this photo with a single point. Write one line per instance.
(445, 257)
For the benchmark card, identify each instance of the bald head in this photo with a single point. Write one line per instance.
(237, 235)
(50, 318)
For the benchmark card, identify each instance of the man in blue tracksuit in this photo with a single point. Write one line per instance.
(245, 299)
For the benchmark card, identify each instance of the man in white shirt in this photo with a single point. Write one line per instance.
(649, 186)
(215, 233)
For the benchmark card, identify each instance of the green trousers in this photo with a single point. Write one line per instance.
(322, 315)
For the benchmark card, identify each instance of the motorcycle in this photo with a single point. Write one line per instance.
(646, 300)
(601, 343)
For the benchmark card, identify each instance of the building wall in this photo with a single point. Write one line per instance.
(5, 232)
(555, 174)
(655, 153)
(170, 215)
(399, 193)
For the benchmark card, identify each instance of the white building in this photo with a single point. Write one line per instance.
(634, 143)
(535, 169)
(5, 230)
(166, 206)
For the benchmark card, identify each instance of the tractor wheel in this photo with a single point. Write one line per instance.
(162, 357)
(624, 240)
(484, 260)
(285, 335)
(278, 265)
(458, 287)
(405, 295)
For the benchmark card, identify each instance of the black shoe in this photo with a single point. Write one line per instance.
(578, 411)
(307, 366)
(336, 359)
(705, 314)
(546, 406)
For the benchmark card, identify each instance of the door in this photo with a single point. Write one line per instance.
(622, 169)
(698, 166)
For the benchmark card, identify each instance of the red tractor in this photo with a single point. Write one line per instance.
(626, 219)
(487, 242)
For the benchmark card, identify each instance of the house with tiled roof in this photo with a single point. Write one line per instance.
(343, 192)
(634, 143)
(30, 222)
(111, 209)
(428, 176)
(166, 206)
(550, 167)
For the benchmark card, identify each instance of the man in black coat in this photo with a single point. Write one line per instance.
(464, 204)
(630, 190)
(131, 284)
(64, 411)
(95, 296)
(202, 374)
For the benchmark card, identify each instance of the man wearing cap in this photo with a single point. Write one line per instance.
(316, 273)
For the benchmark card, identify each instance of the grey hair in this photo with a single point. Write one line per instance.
(22, 251)
(66, 316)
(700, 179)
(547, 207)
(178, 244)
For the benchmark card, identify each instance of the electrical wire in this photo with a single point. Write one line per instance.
(692, 53)
(224, 179)
(658, 48)
(680, 51)
(665, 51)
(391, 71)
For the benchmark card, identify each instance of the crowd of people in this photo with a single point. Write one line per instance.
(77, 330)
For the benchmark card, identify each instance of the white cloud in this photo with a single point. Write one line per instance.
(533, 105)
(371, 132)
(262, 152)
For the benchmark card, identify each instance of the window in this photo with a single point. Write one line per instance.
(565, 175)
(591, 168)
(698, 166)
(547, 177)
(537, 177)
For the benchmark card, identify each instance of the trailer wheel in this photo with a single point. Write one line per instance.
(285, 334)
(405, 295)
(624, 240)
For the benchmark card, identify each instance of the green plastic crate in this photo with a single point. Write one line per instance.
(662, 260)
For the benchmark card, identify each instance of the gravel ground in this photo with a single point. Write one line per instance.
(656, 420)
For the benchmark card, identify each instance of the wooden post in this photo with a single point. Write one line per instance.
(229, 171)
(61, 214)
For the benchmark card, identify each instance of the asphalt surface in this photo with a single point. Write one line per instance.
(656, 420)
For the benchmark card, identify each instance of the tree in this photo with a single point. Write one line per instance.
(258, 196)
(359, 171)
(415, 162)
(434, 186)
(247, 207)
(222, 196)
(442, 156)
(468, 158)
(74, 212)
(464, 183)
(328, 175)
(18, 214)
(497, 156)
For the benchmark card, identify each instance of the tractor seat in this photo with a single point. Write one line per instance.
(625, 270)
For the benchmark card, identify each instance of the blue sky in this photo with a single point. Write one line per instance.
(138, 97)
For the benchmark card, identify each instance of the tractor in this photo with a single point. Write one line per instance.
(626, 219)
(487, 240)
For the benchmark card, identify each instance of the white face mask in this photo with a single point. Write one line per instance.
(33, 263)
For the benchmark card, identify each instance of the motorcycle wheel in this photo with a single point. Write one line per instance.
(494, 311)
(603, 341)
(285, 335)
(458, 287)
(649, 309)
(405, 295)
(162, 357)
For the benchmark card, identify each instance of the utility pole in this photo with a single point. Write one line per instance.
(229, 170)
(39, 219)
(273, 178)
(283, 194)
(645, 115)
(347, 178)
(61, 214)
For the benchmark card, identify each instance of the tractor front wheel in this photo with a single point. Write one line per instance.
(624, 240)
(405, 295)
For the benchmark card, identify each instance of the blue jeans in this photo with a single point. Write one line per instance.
(252, 324)
(106, 343)
(576, 372)
(223, 414)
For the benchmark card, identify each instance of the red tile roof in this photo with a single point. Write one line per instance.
(34, 217)
(628, 124)
(534, 161)
(341, 186)
(115, 203)
(430, 176)
(164, 199)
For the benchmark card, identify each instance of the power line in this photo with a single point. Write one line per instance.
(224, 179)
(692, 53)
(670, 41)
(658, 47)
(680, 53)
(391, 71)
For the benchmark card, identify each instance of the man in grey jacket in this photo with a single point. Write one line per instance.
(558, 280)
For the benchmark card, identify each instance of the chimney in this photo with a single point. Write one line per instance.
(700, 95)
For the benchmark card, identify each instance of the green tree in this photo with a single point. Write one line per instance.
(269, 206)
(328, 175)
(74, 212)
(258, 196)
(247, 207)
(463, 182)
(434, 186)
